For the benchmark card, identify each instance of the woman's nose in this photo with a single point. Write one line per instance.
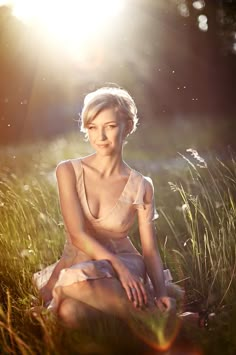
(102, 134)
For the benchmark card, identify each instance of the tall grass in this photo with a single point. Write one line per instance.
(205, 239)
(196, 200)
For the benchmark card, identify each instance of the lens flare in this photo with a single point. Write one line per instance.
(155, 329)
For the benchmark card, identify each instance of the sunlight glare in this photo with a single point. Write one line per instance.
(71, 21)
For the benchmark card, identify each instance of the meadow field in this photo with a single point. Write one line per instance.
(195, 194)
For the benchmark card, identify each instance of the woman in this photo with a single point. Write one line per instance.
(100, 195)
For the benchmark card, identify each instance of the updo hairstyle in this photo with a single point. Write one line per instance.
(106, 98)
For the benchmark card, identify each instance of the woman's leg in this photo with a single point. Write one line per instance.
(106, 295)
(72, 312)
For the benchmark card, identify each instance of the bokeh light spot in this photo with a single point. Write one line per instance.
(198, 5)
(202, 18)
(183, 9)
(202, 23)
(203, 26)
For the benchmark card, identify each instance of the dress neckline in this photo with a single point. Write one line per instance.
(86, 200)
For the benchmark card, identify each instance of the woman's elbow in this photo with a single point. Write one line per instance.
(78, 239)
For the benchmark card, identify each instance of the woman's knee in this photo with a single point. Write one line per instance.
(72, 312)
(67, 311)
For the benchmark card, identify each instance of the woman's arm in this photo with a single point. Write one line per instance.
(150, 250)
(152, 259)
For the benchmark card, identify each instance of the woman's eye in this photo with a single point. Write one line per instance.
(91, 127)
(111, 126)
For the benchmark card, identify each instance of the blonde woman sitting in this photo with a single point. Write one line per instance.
(100, 196)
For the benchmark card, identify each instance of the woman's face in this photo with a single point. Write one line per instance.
(106, 132)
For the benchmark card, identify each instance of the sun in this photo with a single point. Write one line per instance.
(69, 22)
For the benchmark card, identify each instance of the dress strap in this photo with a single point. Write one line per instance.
(76, 163)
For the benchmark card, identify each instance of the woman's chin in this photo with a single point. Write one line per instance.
(105, 150)
(105, 153)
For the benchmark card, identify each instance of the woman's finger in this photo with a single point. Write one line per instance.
(135, 291)
(143, 291)
(141, 294)
(134, 294)
(162, 307)
(138, 296)
(128, 292)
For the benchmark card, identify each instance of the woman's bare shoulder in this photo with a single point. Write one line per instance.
(65, 171)
(64, 165)
(68, 164)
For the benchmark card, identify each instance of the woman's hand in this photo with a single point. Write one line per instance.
(46, 294)
(165, 304)
(133, 286)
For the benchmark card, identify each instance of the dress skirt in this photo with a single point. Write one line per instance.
(82, 268)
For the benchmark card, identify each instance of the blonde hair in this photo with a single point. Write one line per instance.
(105, 98)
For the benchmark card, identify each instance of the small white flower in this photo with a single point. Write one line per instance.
(186, 242)
(26, 187)
(173, 186)
(26, 253)
(184, 207)
(196, 156)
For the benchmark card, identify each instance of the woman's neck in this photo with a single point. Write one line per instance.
(108, 165)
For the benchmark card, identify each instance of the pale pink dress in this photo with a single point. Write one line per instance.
(112, 231)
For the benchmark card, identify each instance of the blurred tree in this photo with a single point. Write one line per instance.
(222, 12)
(226, 16)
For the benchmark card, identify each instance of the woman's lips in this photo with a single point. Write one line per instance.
(102, 145)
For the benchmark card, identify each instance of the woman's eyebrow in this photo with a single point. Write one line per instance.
(109, 122)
